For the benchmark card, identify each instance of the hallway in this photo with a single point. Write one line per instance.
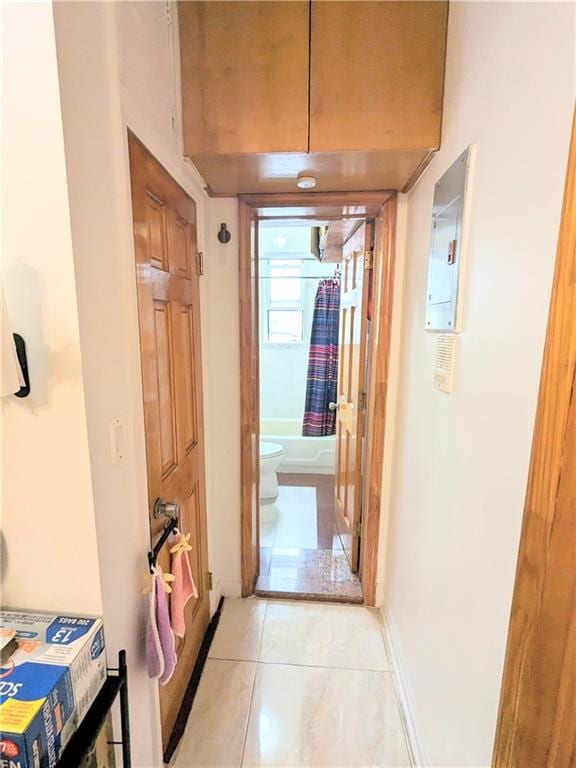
(295, 684)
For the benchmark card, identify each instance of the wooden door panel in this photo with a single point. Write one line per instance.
(351, 374)
(156, 216)
(340, 469)
(180, 247)
(191, 516)
(166, 408)
(186, 365)
(169, 316)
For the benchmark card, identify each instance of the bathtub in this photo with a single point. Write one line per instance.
(313, 455)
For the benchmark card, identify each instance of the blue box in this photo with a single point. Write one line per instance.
(36, 703)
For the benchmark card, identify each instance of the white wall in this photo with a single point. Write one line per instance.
(49, 555)
(462, 459)
(221, 329)
(283, 369)
(118, 68)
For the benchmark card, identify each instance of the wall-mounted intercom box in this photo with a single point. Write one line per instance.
(447, 246)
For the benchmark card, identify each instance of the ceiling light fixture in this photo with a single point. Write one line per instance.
(305, 181)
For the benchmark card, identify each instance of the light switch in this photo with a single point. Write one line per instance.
(116, 437)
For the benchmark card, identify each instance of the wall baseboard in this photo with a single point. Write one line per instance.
(403, 689)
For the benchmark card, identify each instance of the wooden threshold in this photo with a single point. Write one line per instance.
(309, 597)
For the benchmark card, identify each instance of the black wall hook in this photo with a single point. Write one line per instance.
(23, 360)
(224, 234)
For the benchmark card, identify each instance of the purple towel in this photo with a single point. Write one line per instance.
(154, 655)
(160, 644)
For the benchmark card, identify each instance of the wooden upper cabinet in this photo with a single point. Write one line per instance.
(376, 74)
(245, 70)
(350, 91)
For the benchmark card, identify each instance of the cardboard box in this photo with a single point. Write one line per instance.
(66, 656)
(76, 642)
(36, 703)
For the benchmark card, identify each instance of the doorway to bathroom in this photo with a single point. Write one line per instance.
(315, 288)
(303, 550)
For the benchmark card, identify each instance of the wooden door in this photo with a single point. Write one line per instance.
(537, 718)
(351, 390)
(244, 76)
(376, 74)
(164, 219)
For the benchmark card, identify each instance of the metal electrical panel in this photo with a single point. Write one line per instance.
(446, 251)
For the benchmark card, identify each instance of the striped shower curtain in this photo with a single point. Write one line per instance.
(322, 381)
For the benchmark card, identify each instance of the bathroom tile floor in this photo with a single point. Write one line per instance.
(292, 684)
(300, 551)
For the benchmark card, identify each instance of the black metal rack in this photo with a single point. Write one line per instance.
(88, 730)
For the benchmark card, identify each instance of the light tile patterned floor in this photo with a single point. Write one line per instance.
(293, 684)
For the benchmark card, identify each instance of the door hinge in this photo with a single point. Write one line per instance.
(368, 259)
(357, 530)
(200, 263)
(363, 400)
(210, 580)
(168, 12)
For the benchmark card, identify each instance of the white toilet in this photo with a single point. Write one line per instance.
(271, 455)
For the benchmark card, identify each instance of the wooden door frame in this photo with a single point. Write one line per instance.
(381, 206)
(537, 703)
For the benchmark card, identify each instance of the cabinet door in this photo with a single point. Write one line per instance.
(377, 74)
(244, 76)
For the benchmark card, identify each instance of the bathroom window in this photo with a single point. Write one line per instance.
(284, 311)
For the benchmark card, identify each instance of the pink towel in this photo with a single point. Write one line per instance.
(160, 643)
(183, 587)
